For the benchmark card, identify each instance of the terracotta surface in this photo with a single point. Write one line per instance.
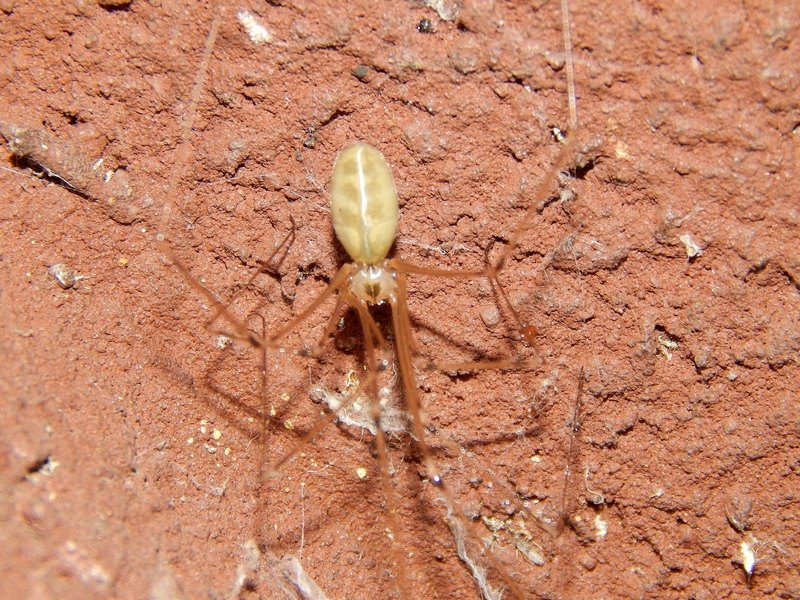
(131, 435)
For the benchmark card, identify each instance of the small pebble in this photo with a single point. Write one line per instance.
(63, 275)
(490, 316)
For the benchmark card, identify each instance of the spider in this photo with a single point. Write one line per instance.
(365, 209)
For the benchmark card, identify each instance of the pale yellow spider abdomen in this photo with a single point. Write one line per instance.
(364, 203)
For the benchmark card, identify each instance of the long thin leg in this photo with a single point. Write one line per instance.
(571, 98)
(181, 153)
(411, 269)
(370, 329)
(345, 298)
(567, 151)
(334, 318)
(336, 285)
(527, 331)
(491, 272)
(320, 425)
(367, 326)
(186, 130)
(265, 418)
(402, 330)
(267, 267)
(575, 426)
(220, 308)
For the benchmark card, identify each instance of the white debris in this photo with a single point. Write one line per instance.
(748, 557)
(600, 527)
(253, 27)
(666, 345)
(693, 249)
(353, 406)
(446, 9)
(294, 573)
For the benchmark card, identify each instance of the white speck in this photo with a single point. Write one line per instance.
(601, 527)
(252, 26)
(361, 472)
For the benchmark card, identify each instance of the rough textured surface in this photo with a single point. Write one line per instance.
(131, 444)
